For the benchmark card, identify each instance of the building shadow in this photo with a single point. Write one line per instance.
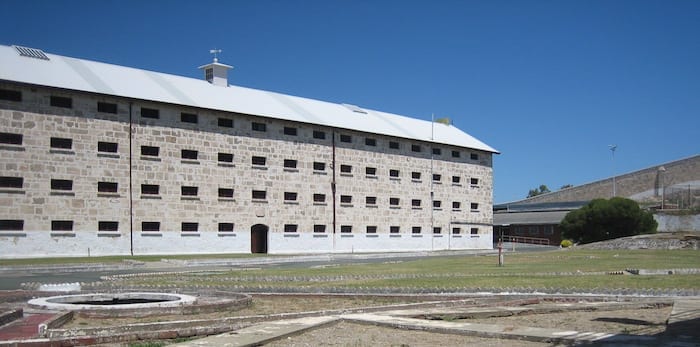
(629, 321)
(686, 329)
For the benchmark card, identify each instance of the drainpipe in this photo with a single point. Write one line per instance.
(432, 194)
(449, 234)
(131, 187)
(333, 184)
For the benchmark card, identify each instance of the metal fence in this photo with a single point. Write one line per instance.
(525, 239)
(681, 198)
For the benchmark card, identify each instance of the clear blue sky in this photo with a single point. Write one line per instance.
(550, 84)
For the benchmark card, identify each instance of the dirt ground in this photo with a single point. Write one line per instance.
(638, 322)
(646, 321)
(349, 334)
(649, 321)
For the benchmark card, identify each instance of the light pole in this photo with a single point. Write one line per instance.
(612, 149)
(662, 170)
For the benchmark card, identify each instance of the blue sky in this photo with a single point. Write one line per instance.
(550, 84)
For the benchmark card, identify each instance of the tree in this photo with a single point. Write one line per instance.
(603, 219)
(538, 191)
(566, 186)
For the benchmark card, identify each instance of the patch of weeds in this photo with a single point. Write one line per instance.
(183, 339)
(147, 344)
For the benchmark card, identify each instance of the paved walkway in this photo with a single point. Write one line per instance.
(686, 313)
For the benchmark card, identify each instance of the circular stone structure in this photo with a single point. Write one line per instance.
(117, 304)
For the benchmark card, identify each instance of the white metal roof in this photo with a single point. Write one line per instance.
(539, 217)
(90, 76)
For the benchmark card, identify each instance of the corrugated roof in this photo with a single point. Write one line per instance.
(542, 206)
(542, 217)
(90, 76)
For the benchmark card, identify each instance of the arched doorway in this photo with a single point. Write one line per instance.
(258, 238)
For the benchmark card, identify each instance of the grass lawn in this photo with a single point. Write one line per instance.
(551, 269)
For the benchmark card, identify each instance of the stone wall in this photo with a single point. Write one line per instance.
(643, 185)
(182, 180)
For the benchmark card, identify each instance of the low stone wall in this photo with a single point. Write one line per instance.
(649, 241)
(10, 316)
(60, 320)
(232, 302)
(55, 323)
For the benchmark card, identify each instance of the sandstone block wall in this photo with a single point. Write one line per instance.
(205, 169)
(642, 185)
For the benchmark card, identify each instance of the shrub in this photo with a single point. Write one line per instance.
(566, 243)
(603, 219)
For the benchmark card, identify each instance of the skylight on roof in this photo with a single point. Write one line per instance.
(31, 52)
(355, 108)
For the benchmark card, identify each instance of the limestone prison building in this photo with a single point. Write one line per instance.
(100, 159)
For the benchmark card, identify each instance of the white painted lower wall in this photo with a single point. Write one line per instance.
(176, 242)
(83, 244)
(36, 244)
(673, 223)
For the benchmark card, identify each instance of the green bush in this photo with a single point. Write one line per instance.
(603, 219)
(566, 243)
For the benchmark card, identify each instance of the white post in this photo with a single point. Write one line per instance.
(500, 253)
